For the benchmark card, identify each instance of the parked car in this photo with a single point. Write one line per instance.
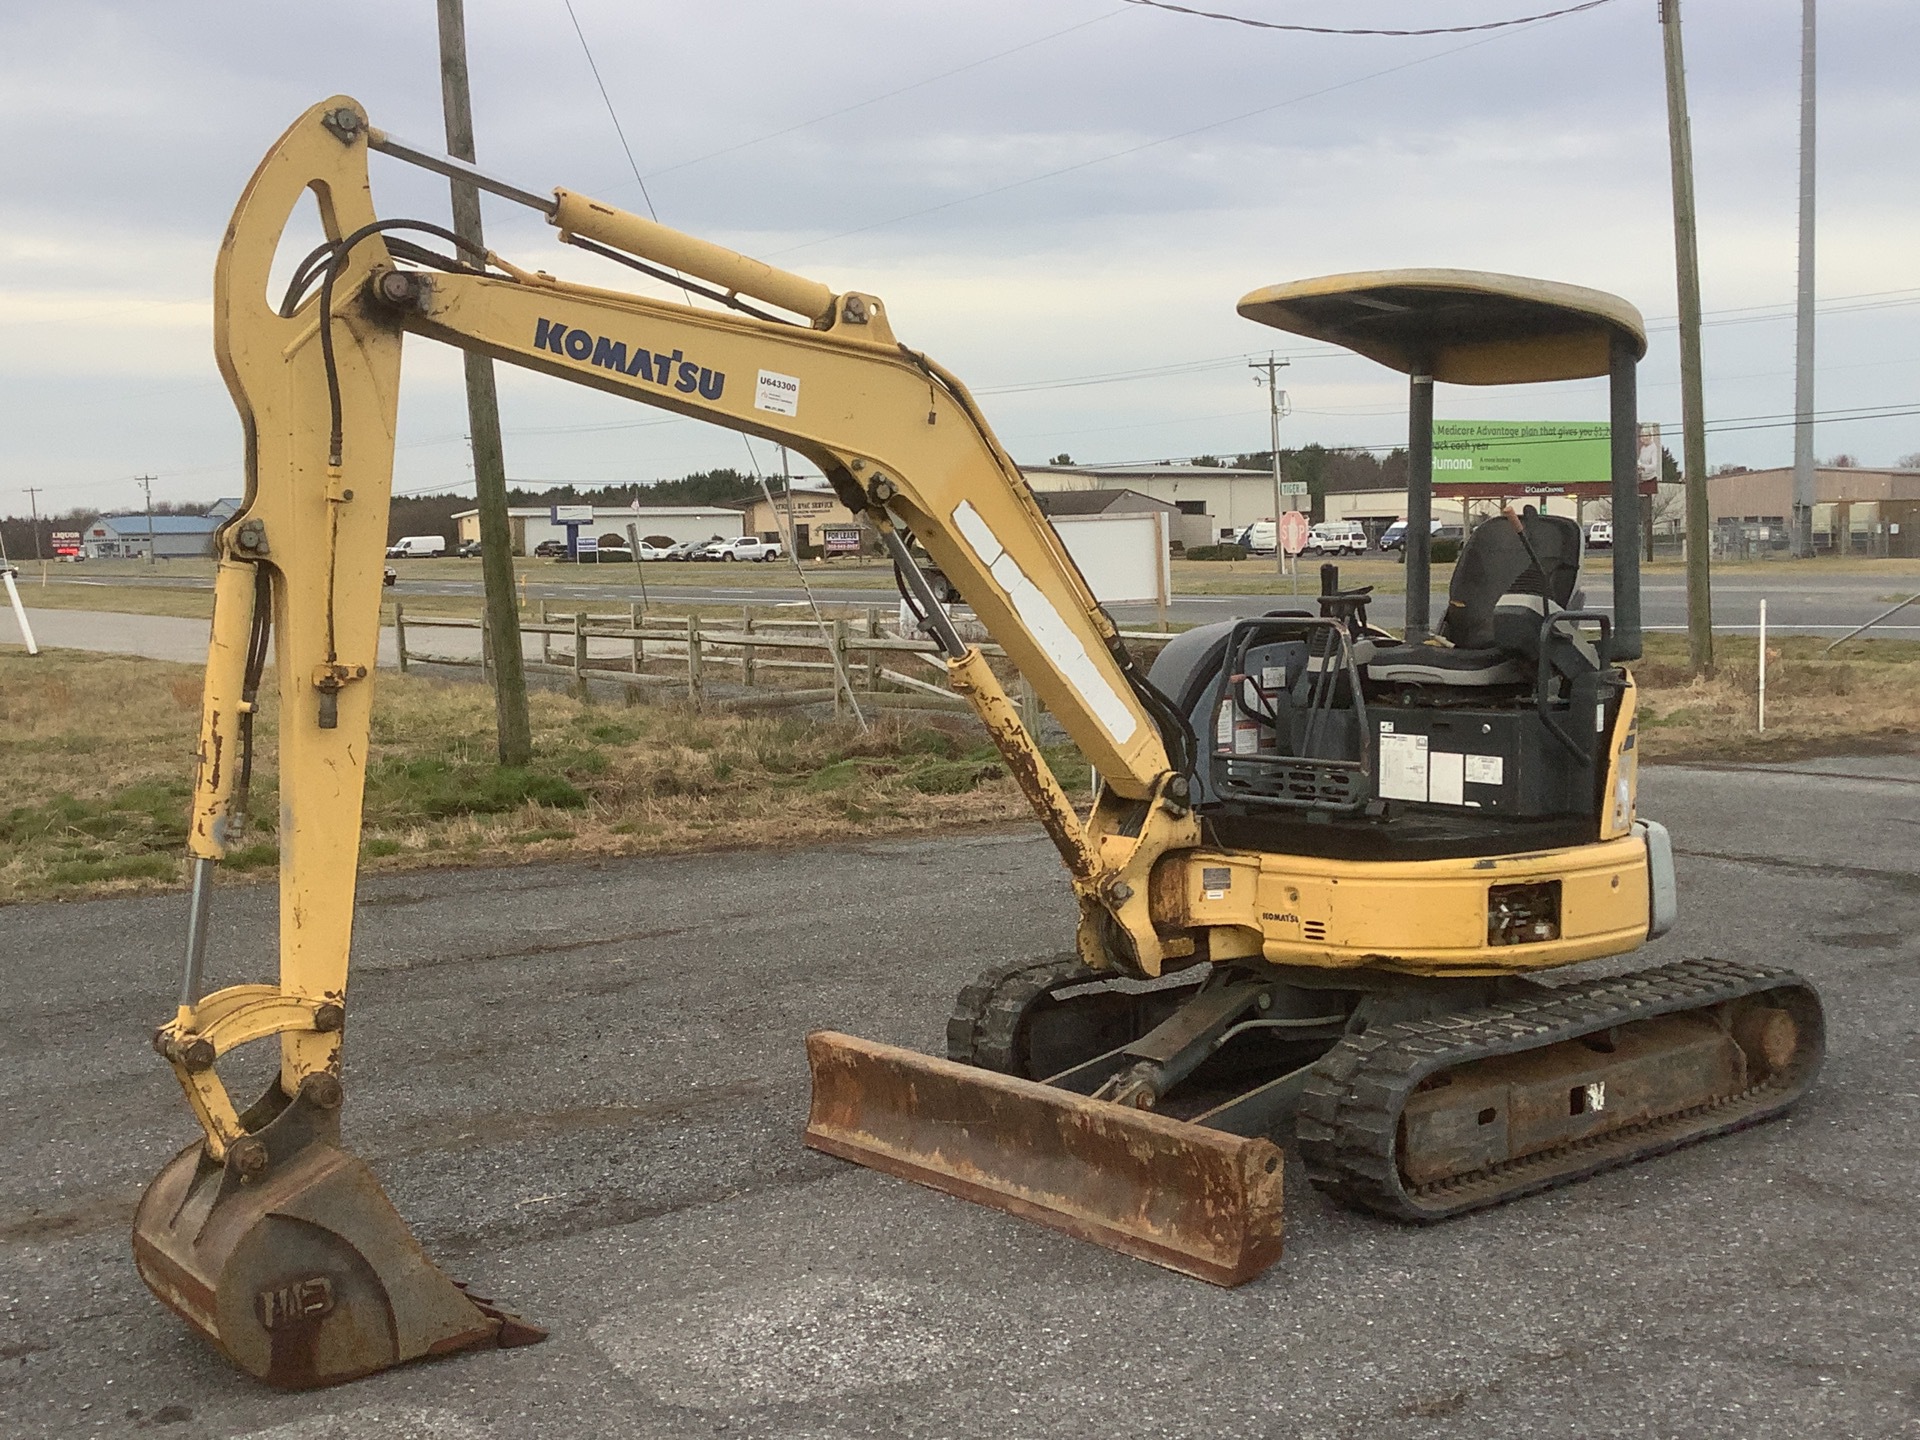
(1600, 535)
(417, 547)
(1336, 537)
(469, 550)
(1262, 537)
(1394, 537)
(745, 547)
(1440, 532)
(550, 549)
(682, 550)
(607, 555)
(653, 552)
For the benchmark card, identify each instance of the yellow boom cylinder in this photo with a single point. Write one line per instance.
(578, 214)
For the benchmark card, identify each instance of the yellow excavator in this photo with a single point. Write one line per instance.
(1323, 876)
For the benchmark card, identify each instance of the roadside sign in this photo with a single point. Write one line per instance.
(1293, 487)
(571, 514)
(840, 539)
(1647, 458)
(1293, 532)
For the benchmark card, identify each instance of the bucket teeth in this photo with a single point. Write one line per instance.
(1195, 1200)
(513, 1332)
(300, 1270)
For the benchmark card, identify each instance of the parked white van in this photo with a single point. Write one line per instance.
(417, 547)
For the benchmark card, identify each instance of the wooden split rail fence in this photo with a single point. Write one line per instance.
(758, 654)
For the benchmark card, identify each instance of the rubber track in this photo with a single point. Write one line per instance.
(1350, 1112)
(985, 1024)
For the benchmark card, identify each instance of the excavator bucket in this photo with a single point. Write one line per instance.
(291, 1260)
(1195, 1200)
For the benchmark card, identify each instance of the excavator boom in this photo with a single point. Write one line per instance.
(266, 1234)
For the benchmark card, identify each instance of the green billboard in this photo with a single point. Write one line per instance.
(1520, 456)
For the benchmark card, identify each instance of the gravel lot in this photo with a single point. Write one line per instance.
(584, 1085)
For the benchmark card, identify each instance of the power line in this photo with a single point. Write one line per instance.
(1730, 425)
(888, 95)
(1331, 30)
(1149, 144)
(612, 115)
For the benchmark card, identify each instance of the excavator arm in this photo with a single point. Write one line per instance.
(902, 442)
(266, 1235)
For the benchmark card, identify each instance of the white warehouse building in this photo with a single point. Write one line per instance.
(1215, 502)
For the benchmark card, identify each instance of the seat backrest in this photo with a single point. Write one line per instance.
(1497, 561)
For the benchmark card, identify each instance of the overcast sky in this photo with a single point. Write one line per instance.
(1042, 192)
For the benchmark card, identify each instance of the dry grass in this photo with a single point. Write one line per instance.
(1865, 697)
(97, 751)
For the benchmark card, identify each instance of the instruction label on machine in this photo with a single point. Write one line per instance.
(1403, 766)
(777, 393)
(1485, 770)
(1410, 769)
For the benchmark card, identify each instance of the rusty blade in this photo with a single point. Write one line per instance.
(1195, 1200)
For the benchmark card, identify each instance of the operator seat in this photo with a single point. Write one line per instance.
(1513, 572)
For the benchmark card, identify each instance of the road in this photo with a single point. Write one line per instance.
(584, 1084)
(1800, 601)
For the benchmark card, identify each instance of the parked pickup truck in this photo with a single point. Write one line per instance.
(747, 547)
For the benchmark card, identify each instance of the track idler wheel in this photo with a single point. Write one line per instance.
(291, 1260)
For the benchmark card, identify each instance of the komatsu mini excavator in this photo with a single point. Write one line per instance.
(1323, 877)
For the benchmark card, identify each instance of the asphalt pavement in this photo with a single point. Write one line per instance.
(584, 1084)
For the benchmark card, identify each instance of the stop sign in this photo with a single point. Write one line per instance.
(1293, 532)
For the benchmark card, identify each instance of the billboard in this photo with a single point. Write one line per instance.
(571, 514)
(1520, 457)
(1647, 459)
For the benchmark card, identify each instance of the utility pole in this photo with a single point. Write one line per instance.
(515, 731)
(1804, 487)
(146, 482)
(1276, 400)
(1686, 250)
(786, 489)
(33, 503)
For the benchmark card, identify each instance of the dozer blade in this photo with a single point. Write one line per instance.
(291, 1260)
(1195, 1200)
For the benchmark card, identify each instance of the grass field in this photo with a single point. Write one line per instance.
(98, 755)
(1864, 697)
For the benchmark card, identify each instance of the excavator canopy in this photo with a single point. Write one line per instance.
(1464, 327)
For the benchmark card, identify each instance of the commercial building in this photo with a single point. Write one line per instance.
(532, 524)
(1375, 510)
(165, 537)
(1855, 511)
(810, 508)
(1100, 502)
(1215, 502)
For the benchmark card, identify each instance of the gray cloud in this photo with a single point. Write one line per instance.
(133, 127)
